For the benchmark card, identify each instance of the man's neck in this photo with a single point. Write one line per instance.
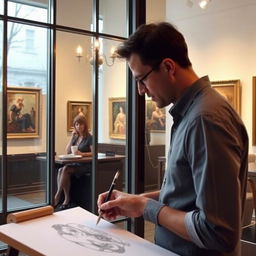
(185, 78)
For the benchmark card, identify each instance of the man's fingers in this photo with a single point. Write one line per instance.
(110, 204)
(101, 199)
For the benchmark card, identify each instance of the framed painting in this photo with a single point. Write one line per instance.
(254, 111)
(74, 108)
(23, 108)
(155, 117)
(231, 91)
(117, 118)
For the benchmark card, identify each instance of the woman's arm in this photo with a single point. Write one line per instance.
(86, 153)
(68, 147)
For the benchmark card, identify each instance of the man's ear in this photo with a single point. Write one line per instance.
(169, 65)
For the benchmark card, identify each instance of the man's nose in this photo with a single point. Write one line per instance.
(141, 89)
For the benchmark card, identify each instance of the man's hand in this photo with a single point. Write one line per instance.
(121, 204)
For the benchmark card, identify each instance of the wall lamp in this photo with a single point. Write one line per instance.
(102, 57)
(109, 61)
(79, 52)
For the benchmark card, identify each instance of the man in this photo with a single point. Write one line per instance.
(199, 208)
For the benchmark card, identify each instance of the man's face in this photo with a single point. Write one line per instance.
(153, 83)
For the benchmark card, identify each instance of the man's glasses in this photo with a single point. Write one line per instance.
(141, 81)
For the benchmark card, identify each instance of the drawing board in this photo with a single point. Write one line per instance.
(74, 232)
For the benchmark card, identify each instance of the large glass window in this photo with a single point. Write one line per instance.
(74, 98)
(26, 115)
(112, 109)
(77, 87)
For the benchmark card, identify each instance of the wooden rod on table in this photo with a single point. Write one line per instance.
(29, 214)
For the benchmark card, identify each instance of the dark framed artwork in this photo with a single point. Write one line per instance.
(75, 108)
(231, 91)
(254, 111)
(117, 118)
(155, 117)
(23, 108)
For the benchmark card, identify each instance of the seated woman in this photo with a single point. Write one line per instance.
(83, 139)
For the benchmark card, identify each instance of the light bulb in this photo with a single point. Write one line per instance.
(79, 50)
(203, 3)
(97, 44)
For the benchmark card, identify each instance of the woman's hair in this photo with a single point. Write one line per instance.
(155, 42)
(82, 120)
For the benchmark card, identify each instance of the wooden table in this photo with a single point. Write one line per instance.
(88, 159)
(106, 169)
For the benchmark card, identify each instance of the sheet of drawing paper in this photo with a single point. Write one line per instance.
(74, 232)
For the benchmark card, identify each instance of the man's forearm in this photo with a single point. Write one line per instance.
(153, 195)
(174, 220)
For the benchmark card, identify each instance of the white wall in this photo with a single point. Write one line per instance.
(155, 10)
(222, 43)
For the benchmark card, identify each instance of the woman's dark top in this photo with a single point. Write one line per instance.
(84, 146)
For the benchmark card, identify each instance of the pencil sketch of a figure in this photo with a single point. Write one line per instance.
(90, 238)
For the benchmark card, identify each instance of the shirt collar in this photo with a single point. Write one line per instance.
(180, 108)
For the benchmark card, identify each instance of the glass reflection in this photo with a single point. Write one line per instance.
(26, 116)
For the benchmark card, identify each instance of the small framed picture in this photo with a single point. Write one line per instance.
(83, 108)
(231, 91)
(117, 118)
(23, 108)
(155, 117)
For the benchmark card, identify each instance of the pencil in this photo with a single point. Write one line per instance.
(109, 194)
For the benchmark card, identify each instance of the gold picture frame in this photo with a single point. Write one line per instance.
(117, 118)
(75, 108)
(231, 91)
(155, 117)
(23, 109)
(254, 110)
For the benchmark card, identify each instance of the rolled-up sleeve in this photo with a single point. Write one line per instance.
(192, 230)
(152, 210)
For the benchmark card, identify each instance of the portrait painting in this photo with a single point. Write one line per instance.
(254, 111)
(231, 91)
(117, 118)
(75, 108)
(155, 117)
(23, 108)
